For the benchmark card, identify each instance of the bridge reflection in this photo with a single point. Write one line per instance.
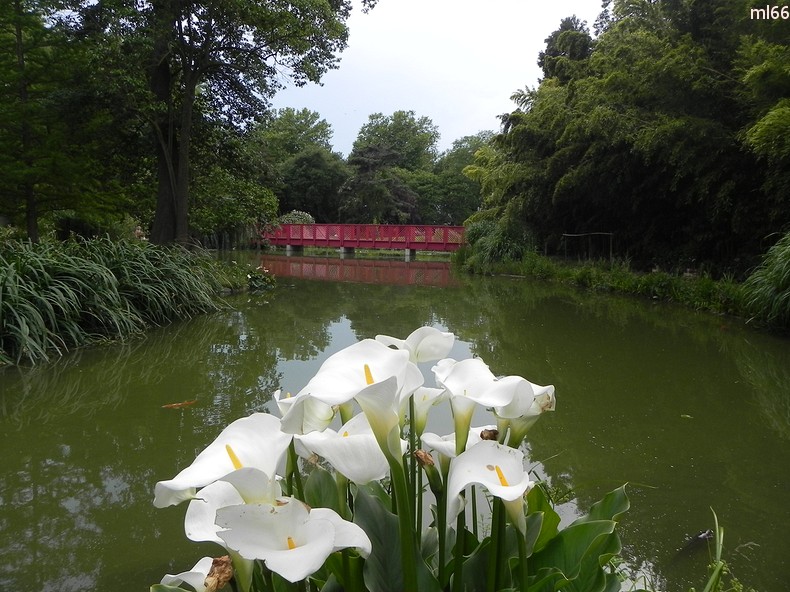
(365, 271)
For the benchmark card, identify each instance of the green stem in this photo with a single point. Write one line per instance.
(474, 511)
(294, 476)
(342, 495)
(414, 470)
(405, 523)
(458, 574)
(441, 513)
(522, 556)
(493, 549)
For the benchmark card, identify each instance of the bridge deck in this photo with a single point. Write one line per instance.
(416, 237)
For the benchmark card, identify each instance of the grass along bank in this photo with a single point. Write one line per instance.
(56, 296)
(763, 299)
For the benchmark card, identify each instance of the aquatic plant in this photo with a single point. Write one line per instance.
(767, 289)
(296, 504)
(57, 296)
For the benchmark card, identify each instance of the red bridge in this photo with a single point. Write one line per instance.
(419, 237)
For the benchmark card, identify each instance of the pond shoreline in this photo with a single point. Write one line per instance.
(697, 291)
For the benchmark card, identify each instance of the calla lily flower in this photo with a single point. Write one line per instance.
(445, 445)
(521, 415)
(292, 539)
(353, 450)
(246, 485)
(424, 399)
(426, 344)
(500, 469)
(195, 577)
(253, 441)
(379, 403)
(471, 383)
(352, 369)
(304, 414)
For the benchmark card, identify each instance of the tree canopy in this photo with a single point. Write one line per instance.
(668, 130)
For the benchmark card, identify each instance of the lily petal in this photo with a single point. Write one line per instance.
(255, 441)
(195, 577)
(426, 344)
(292, 540)
(353, 451)
(500, 469)
(342, 375)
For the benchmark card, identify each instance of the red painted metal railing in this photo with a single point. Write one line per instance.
(416, 237)
(365, 271)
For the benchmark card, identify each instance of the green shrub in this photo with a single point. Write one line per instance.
(296, 217)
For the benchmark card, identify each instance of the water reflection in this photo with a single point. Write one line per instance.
(365, 271)
(690, 410)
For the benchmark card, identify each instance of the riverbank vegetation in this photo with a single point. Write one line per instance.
(56, 296)
(762, 299)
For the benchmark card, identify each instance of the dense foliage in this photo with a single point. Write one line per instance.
(58, 296)
(669, 130)
(146, 108)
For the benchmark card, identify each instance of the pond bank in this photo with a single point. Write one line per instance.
(58, 296)
(697, 291)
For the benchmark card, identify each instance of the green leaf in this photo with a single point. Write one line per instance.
(332, 585)
(166, 588)
(537, 502)
(320, 491)
(576, 551)
(611, 507)
(475, 574)
(382, 570)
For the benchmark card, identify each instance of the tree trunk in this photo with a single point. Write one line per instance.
(182, 170)
(28, 191)
(160, 80)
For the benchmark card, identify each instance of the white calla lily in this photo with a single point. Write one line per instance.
(425, 398)
(353, 450)
(303, 414)
(379, 403)
(445, 445)
(350, 370)
(521, 414)
(253, 441)
(500, 469)
(292, 540)
(239, 487)
(426, 344)
(196, 577)
(471, 383)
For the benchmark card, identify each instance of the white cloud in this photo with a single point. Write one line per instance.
(455, 61)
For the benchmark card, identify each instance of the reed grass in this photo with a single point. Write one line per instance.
(58, 296)
(767, 289)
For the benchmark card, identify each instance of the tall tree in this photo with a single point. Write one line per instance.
(410, 141)
(232, 52)
(49, 145)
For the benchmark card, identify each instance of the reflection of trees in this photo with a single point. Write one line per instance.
(303, 312)
(216, 356)
(767, 370)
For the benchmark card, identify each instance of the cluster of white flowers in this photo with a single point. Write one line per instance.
(233, 486)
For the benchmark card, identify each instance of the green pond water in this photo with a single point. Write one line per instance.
(692, 410)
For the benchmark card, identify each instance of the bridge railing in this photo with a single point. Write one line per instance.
(418, 237)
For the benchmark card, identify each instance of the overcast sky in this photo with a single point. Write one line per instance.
(454, 61)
